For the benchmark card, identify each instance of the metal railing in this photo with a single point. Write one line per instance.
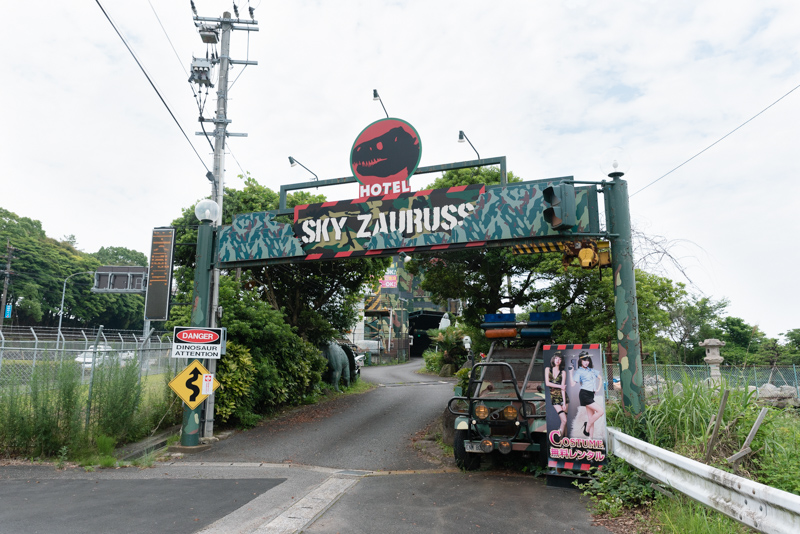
(761, 507)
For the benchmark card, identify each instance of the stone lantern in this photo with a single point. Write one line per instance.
(713, 358)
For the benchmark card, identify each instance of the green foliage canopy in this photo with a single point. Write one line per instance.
(39, 267)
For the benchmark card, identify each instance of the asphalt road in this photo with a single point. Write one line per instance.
(344, 466)
(370, 432)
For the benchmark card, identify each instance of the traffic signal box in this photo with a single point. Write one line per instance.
(559, 202)
(506, 326)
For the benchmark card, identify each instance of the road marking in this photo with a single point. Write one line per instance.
(309, 508)
(398, 384)
(437, 471)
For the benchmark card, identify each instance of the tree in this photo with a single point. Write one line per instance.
(586, 300)
(41, 264)
(692, 320)
(471, 175)
(793, 339)
(479, 277)
(120, 256)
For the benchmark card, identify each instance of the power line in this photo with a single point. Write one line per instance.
(168, 39)
(717, 141)
(236, 160)
(151, 83)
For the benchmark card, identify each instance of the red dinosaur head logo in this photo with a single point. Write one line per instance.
(385, 152)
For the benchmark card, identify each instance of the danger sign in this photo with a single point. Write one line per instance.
(199, 343)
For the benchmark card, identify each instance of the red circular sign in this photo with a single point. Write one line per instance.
(197, 335)
(386, 151)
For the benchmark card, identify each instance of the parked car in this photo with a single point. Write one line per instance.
(104, 353)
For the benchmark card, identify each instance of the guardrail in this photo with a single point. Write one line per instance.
(761, 507)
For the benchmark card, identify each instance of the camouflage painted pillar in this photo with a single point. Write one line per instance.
(190, 428)
(618, 223)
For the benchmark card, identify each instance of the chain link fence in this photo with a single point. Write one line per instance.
(19, 358)
(778, 381)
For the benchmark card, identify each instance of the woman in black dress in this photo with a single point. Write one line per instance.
(554, 379)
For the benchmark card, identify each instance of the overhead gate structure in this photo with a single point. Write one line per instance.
(529, 217)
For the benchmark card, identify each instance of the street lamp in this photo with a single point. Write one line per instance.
(614, 162)
(61, 309)
(462, 137)
(207, 211)
(293, 162)
(376, 96)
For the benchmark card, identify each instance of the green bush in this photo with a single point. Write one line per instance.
(463, 379)
(289, 370)
(450, 345)
(105, 445)
(617, 486)
(433, 361)
(236, 373)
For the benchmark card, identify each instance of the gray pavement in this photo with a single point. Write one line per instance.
(345, 466)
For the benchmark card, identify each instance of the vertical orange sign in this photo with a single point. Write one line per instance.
(159, 279)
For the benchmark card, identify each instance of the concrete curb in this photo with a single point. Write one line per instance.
(146, 446)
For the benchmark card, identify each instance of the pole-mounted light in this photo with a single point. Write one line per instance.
(376, 96)
(614, 162)
(206, 210)
(463, 137)
(61, 309)
(293, 162)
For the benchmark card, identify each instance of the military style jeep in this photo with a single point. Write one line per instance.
(503, 407)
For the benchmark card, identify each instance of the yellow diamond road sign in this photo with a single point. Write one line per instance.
(194, 384)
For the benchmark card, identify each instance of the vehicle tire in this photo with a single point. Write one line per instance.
(468, 461)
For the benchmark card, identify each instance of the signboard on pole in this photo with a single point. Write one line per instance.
(159, 280)
(192, 386)
(438, 219)
(8, 311)
(194, 342)
(119, 279)
(575, 404)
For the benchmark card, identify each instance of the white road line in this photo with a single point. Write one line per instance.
(307, 509)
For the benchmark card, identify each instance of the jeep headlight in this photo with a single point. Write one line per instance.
(481, 412)
(510, 413)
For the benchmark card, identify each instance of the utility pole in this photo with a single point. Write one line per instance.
(618, 224)
(7, 272)
(208, 33)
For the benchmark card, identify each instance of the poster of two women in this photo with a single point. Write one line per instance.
(575, 394)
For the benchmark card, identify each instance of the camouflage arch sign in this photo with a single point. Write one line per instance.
(438, 219)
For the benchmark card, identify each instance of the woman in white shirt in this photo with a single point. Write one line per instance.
(590, 381)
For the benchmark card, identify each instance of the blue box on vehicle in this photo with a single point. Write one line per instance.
(544, 317)
(499, 318)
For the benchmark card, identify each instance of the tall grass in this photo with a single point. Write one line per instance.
(48, 415)
(682, 420)
(683, 515)
(116, 394)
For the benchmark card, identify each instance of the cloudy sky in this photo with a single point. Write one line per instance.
(90, 150)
